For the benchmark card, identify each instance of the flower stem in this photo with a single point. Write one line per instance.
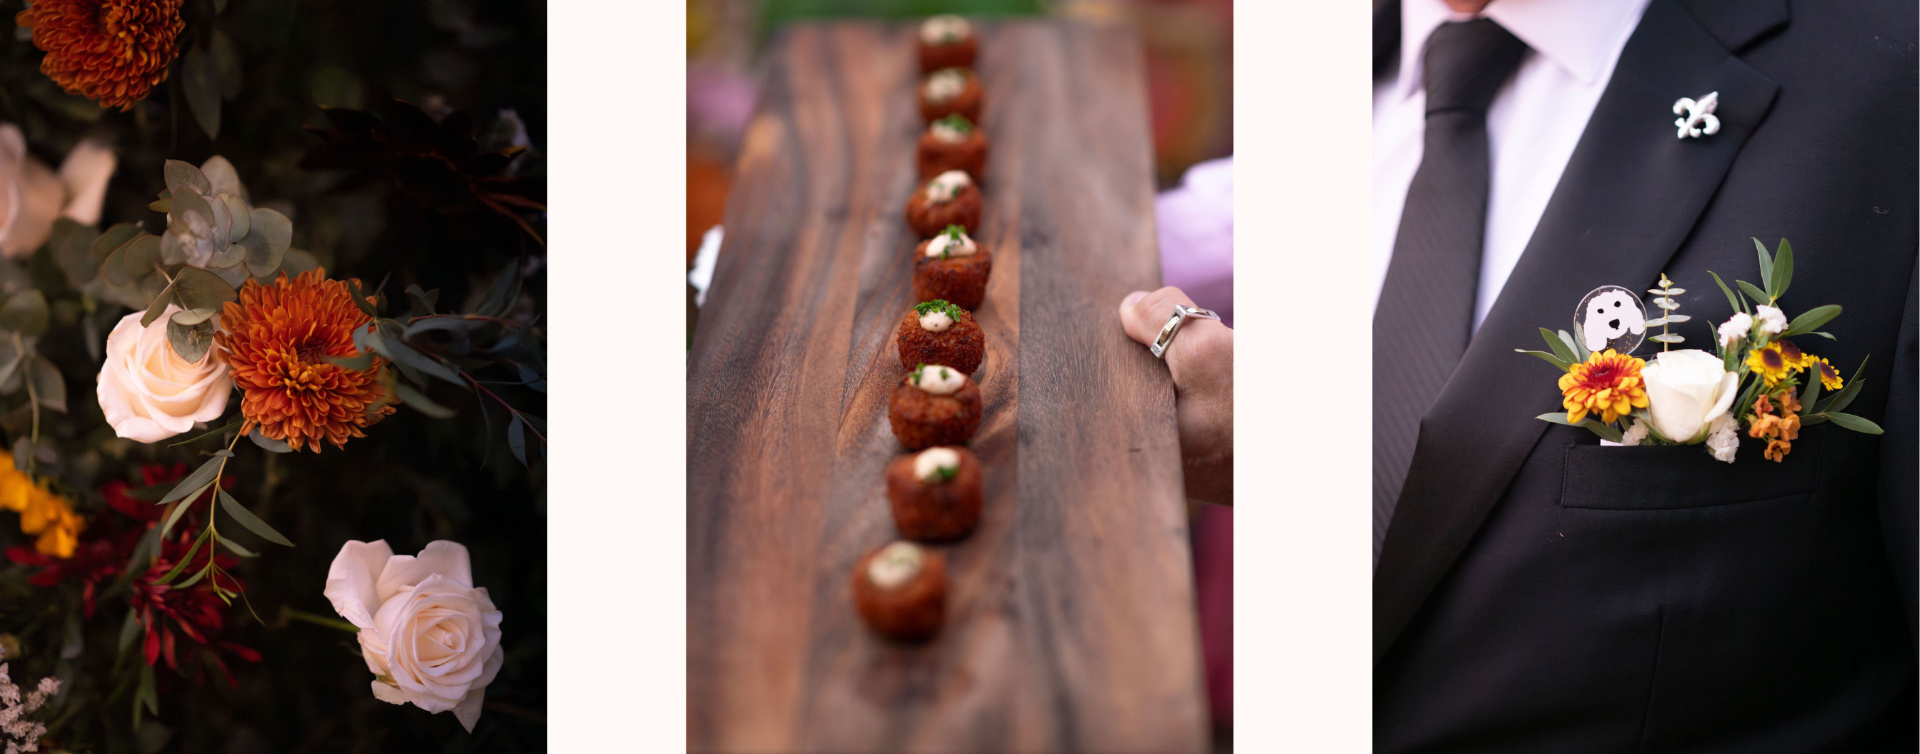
(318, 620)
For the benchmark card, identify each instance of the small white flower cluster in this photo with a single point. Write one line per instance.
(1635, 434)
(1768, 320)
(16, 731)
(1723, 438)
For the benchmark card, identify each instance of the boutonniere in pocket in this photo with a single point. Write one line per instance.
(1757, 380)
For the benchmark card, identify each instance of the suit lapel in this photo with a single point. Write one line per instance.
(1629, 196)
(1386, 34)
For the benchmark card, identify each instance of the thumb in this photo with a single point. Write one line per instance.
(1142, 314)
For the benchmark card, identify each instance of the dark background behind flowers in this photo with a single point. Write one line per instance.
(399, 205)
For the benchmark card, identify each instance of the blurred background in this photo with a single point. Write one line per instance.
(1189, 70)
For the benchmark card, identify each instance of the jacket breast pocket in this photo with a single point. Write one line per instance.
(1673, 477)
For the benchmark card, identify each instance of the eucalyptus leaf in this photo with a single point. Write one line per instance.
(235, 547)
(25, 313)
(407, 356)
(266, 243)
(270, 444)
(129, 630)
(200, 82)
(158, 305)
(226, 61)
(72, 245)
(195, 481)
(180, 174)
(192, 341)
(133, 261)
(517, 439)
(200, 289)
(535, 380)
(180, 509)
(423, 300)
(420, 402)
(504, 291)
(1597, 428)
(253, 523)
(48, 386)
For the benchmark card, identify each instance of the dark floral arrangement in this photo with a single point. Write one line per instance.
(272, 376)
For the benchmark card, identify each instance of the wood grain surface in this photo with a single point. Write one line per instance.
(1070, 617)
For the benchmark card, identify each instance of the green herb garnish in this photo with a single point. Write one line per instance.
(939, 305)
(917, 369)
(946, 473)
(957, 122)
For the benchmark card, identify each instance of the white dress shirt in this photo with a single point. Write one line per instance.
(1535, 120)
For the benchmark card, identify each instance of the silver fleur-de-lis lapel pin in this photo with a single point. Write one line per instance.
(1696, 116)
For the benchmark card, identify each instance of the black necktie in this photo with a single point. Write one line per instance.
(1425, 315)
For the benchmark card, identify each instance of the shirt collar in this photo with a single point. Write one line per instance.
(1580, 37)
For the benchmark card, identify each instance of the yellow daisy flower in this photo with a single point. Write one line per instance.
(1773, 363)
(1829, 377)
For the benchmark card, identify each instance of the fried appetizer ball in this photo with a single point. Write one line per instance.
(935, 493)
(953, 143)
(934, 405)
(952, 267)
(937, 332)
(948, 91)
(946, 42)
(901, 591)
(950, 198)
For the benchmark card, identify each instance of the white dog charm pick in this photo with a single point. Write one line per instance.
(1696, 117)
(1610, 317)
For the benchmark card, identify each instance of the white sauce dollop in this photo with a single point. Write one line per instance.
(927, 465)
(945, 186)
(945, 30)
(935, 321)
(940, 380)
(944, 243)
(896, 565)
(945, 84)
(945, 133)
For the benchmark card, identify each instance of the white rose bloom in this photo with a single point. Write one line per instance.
(148, 392)
(1723, 438)
(32, 196)
(1686, 391)
(1735, 328)
(430, 637)
(1635, 434)
(1770, 320)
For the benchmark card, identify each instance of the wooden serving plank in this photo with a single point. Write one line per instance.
(1070, 620)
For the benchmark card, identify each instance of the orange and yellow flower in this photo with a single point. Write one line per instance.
(277, 340)
(41, 512)
(1829, 377)
(109, 51)
(1776, 361)
(1608, 384)
(1778, 429)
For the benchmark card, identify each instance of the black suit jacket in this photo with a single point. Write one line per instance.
(1538, 593)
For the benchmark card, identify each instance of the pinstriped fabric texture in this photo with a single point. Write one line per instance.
(1425, 315)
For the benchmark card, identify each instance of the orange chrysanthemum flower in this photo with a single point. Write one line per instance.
(109, 51)
(1608, 384)
(276, 339)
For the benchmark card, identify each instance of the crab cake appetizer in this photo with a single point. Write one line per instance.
(952, 267)
(901, 591)
(946, 42)
(935, 493)
(953, 143)
(948, 91)
(934, 405)
(950, 198)
(937, 332)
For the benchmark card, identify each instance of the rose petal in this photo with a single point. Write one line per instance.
(388, 694)
(351, 580)
(440, 556)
